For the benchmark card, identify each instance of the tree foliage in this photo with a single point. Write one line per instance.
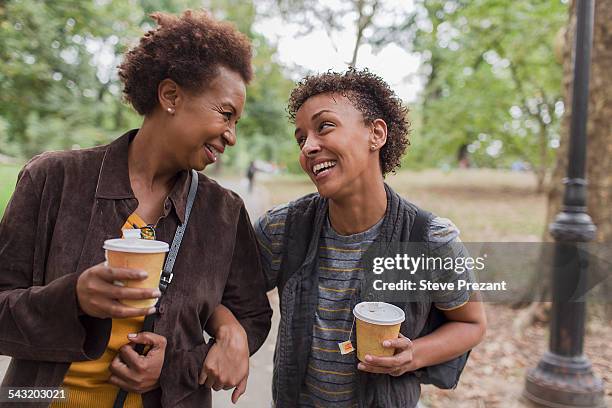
(58, 78)
(492, 84)
(492, 80)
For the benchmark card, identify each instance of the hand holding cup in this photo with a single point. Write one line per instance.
(98, 296)
(401, 362)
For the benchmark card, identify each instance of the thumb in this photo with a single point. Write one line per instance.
(151, 339)
(239, 390)
(203, 376)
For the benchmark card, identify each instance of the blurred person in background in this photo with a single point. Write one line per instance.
(60, 313)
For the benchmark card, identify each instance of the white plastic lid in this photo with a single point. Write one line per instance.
(131, 233)
(136, 245)
(379, 313)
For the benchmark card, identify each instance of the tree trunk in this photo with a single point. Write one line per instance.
(542, 167)
(599, 129)
(599, 137)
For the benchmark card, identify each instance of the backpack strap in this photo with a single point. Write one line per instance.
(420, 227)
(443, 375)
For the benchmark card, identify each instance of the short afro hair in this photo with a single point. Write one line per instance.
(372, 96)
(187, 49)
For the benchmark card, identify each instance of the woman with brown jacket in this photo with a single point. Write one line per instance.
(60, 316)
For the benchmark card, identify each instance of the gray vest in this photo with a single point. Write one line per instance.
(298, 293)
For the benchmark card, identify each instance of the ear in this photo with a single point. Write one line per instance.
(168, 94)
(378, 134)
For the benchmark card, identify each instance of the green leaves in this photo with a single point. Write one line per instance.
(59, 87)
(492, 80)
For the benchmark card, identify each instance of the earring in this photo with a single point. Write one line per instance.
(373, 147)
(170, 111)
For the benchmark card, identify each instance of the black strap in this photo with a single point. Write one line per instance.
(419, 230)
(166, 275)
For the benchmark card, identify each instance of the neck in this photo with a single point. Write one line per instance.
(150, 164)
(360, 210)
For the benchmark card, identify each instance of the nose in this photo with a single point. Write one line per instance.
(310, 147)
(230, 137)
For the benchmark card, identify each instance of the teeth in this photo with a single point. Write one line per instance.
(317, 168)
(213, 150)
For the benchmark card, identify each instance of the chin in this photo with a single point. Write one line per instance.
(199, 166)
(327, 191)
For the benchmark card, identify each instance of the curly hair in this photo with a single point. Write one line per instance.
(187, 49)
(372, 96)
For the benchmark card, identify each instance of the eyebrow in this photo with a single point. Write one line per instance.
(319, 113)
(314, 117)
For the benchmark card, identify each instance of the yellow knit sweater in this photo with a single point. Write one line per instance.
(86, 382)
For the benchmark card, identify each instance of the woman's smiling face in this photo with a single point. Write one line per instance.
(203, 123)
(335, 145)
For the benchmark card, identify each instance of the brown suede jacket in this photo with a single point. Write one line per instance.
(64, 206)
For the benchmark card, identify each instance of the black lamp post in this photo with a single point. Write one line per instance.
(563, 377)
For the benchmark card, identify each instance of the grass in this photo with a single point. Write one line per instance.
(8, 178)
(487, 205)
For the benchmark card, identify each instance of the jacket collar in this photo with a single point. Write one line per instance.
(114, 177)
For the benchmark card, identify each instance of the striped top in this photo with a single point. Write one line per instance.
(331, 378)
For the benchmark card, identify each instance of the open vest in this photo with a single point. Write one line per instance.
(298, 293)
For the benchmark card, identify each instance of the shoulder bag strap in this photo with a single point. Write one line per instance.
(166, 275)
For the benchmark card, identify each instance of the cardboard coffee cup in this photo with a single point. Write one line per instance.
(376, 322)
(135, 253)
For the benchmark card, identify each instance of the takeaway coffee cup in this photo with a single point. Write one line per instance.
(376, 322)
(135, 253)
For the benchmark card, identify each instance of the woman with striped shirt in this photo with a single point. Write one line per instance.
(351, 130)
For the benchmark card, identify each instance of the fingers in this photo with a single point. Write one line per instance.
(132, 359)
(382, 370)
(403, 355)
(219, 371)
(156, 341)
(210, 381)
(401, 342)
(115, 309)
(203, 376)
(385, 362)
(121, 375)
(395, 365)
(121, 383)
(134, 372)
(111, 274)
(209, 374)
(375, 369)
(119, 292)
(97, 295)
(240, 389)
